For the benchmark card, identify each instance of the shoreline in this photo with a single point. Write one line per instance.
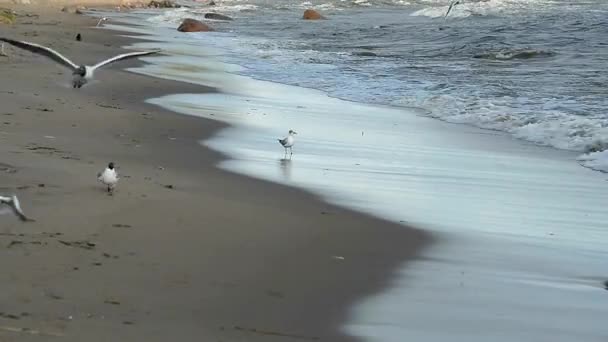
(215, 255)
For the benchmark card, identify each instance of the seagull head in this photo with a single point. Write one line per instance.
(111, 166)
(292, 132)
(81, 71)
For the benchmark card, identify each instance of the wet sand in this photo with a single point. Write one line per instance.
(182, 251)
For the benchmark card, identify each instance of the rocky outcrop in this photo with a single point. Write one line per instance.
(311, 14)
(216, 16)
(193, 25)
(163, 4)
(74, 9)
(7, 16)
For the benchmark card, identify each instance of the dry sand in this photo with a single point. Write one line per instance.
(182, 251)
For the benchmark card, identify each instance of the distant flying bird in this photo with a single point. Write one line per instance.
(100, 20)
(452, 4)
(13, 203)
(288, 141)
(108, 177)
(83, 73)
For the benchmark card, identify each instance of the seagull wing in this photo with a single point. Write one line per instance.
(283, 141)
(454, 2)
(17, 209)
(43, 50)
(123, 56)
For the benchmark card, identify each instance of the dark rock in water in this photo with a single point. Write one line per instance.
(507, 54)
(74, 9)
(217, 16)
(365, 54)
(311, 14)
(78, 37)
(606, 285)
(212, 3)
(193, 25)
(163, 4)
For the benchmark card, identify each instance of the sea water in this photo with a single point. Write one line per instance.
(521, 225)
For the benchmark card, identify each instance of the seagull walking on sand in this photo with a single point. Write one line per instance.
(81, 73)
(13, 203)
(288, 141)
(108, 177)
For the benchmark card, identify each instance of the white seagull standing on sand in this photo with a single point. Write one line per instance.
(82, 73)
(13, 202)
(108, 177)
(288, 141)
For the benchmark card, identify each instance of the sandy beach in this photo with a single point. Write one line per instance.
(182, 251)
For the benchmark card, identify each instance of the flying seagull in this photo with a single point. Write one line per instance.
(452, 4)
(100, 20)
(108, 177)
(83, 73)
(13, 202)
(288, 141)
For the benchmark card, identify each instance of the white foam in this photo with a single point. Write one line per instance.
(595, 160)
(467, 8)
(549, 127)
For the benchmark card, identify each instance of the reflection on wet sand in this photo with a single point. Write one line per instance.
(285, 164)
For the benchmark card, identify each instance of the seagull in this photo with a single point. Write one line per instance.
(13, 202)
(83, 73)
(452, 4)
(108, 177)
(288, 141)
(100, 20)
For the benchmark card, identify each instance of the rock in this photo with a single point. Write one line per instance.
(193, 25)
(128, 4)
(74, 9)
(311, 14)
(212, 3)
(7, 16)
(217, 16)
(163, 4)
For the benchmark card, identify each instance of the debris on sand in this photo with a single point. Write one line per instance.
(79, 244)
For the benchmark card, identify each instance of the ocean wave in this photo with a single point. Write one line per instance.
(467, 8)
(509, 54)
(548, 128)
(597, 161)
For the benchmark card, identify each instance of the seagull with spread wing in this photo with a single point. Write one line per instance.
(13, 203)
(82, 73)
(452, 4)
